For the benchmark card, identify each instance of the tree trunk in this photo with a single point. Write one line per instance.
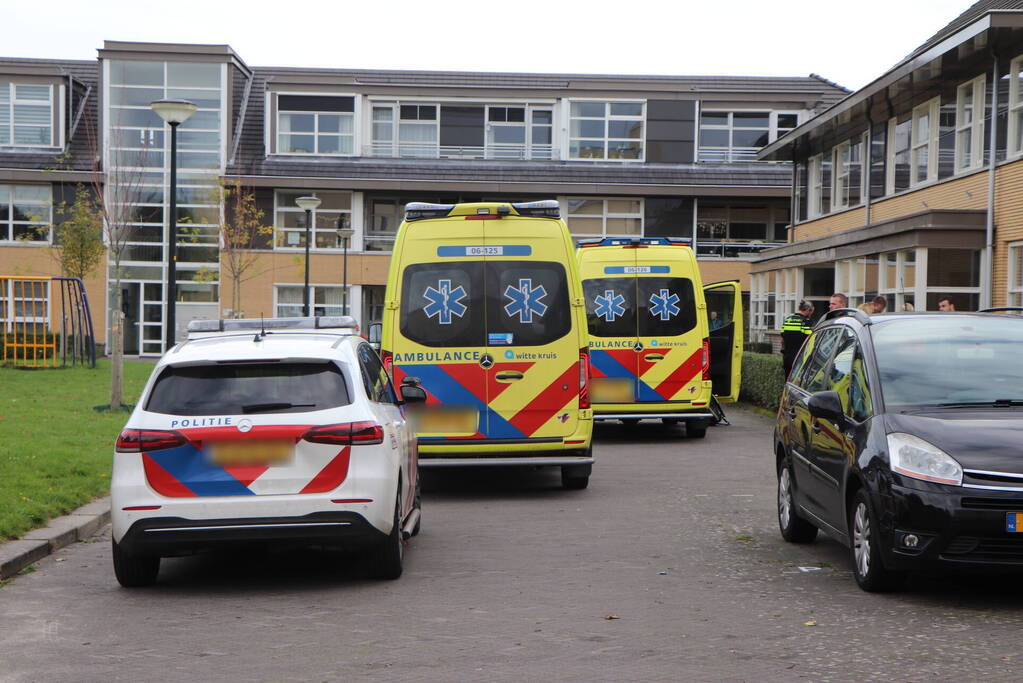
(116, 359)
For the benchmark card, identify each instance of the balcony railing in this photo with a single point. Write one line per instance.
(410, 150)
(721, 155)
(733, 249)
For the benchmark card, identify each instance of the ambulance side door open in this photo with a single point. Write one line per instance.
(724, 321)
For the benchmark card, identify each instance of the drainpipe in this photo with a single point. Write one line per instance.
(987, 274)
(868, 149)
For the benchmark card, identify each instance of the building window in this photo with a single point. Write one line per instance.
(290, 224)
(588, 217)
(820, 185)
(26, 115)
(606, 130)
(898, 164)
(924, 143)
(314, 124)
(406, 130)
(1016, 106)
(953, 273)
(738, 135)
(1016, 274)
(519, 132)
(848, 176)
(970, 125)
(26, 213)
(323, 300)
(724, 231)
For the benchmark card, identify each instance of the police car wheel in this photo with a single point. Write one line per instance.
(388, 555)
(134, 571)
(417, 505)
(696, 429)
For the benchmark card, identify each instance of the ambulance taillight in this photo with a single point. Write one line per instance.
(387, 359)
(706, 359)
(584, 378)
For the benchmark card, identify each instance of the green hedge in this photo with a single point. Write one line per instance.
(762, 380)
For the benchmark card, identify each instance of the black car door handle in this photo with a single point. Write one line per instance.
(816, 427)
(792, 413)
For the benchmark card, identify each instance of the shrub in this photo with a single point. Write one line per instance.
(762, 380)
(758, 347)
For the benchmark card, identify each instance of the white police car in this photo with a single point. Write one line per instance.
(285, 431)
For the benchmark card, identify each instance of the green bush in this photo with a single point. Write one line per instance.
(758, 347)
(762, 380)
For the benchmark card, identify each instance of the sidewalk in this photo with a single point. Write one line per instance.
(60, 532)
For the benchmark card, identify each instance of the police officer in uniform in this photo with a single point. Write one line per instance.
(794, 332)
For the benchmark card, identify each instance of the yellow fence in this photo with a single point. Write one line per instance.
(25, 335)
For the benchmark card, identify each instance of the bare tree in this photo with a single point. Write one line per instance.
(119, 190)
(241, 232)
(78, 240)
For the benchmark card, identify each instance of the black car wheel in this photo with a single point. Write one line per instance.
(794, 528)
(870, 572)
(134, 571)
(696, 429)
(388, 555)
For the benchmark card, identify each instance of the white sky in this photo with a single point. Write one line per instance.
(847, 41)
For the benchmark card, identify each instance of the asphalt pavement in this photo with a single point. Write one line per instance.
(669, 567)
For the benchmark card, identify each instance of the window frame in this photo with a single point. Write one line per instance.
(280, 229)
(355, 128)
(607, 118)
(1014, 281)
(1015, 109)
(815, 186)
(313, 288)
(9, 225)
(975, 128)
(604, 216)
(931, 108)
(55, 119)
(729, 156)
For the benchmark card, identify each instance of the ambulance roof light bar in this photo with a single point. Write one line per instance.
(415, 211)
(634, 241)
(545, 208)
(320, 322)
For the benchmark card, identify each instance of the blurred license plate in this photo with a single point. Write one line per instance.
(446, 421)
(612, 390)
(1014, 522)
(251, 452)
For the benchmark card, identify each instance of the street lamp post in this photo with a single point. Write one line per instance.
(174, 113)
(344, 234)
(308, 204)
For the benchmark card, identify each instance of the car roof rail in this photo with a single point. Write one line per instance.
(204, 328)
(855, 313)
(1003, 309)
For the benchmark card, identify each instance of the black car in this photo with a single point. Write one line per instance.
(901, 436)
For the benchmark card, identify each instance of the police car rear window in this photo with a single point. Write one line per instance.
(248, 388)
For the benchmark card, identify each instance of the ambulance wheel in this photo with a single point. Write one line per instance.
(696, 429)
(576, 477)
(134, 571)
(388, 555)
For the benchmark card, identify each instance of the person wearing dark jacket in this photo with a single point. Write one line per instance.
(794, 331)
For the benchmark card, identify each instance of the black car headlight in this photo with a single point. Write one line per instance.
(913, 457)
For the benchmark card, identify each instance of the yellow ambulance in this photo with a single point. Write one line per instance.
(661, 344)
(484, 310)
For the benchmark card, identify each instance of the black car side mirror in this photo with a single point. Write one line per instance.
(825, 405)
(411, 392)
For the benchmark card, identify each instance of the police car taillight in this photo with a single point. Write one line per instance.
(346, 434)
(584, 378)
(139, 440)
(706, 359)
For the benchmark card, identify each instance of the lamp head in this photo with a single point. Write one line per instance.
(308, 203)
(173, 111)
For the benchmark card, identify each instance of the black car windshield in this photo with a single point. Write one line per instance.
(950, 360)
(248, 388)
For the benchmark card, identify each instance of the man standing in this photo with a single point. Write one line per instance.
(838, 300)
(794, 331)
(945, 304)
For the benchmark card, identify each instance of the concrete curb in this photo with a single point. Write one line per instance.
(62, 531)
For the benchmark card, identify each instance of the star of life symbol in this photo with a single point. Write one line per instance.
(525, 301)
(609, 306)
(444, 302)
(665, 305)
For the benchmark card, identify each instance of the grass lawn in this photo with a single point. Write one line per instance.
(55, 450)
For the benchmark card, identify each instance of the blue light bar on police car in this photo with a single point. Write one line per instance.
(320, 322)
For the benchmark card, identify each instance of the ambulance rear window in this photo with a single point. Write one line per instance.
(611, 306)
(442, 304)
(667, 306)
(248, 388)
(527, 303)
